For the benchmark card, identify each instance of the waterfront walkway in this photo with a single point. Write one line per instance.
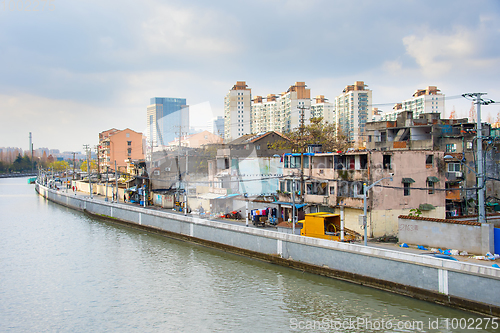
(371, 243)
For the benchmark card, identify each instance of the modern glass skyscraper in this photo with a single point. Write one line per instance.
(218, 127)
(166, 117)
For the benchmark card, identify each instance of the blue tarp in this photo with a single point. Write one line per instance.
(283, 203)
(228, 196)
(298, 154)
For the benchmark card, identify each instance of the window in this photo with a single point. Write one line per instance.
(257, 147)
(332, 190)
(430, 185)
(451, 148)
(469, 144)
(429, 161)
(127, 135)
(406, 189)
(387, 161)
(294, 161)
(453, 167)
(129, 151)
(363, 161)
(317, 188)
(129, 143)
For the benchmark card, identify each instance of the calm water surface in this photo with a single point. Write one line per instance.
(63, 271)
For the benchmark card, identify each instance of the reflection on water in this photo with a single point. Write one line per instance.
(64, 271)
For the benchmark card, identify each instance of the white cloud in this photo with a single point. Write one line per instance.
(184, 31)
(461, 51)
(437, 54)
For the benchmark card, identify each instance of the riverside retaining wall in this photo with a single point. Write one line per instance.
(462, 285)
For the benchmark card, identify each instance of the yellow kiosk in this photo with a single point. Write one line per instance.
(325, 225)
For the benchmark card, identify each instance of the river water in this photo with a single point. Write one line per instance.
(63, 271)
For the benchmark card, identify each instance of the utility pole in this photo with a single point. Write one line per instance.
(481, 192)
(480, 172)
(179, 167)
(98, 162)
(293, 206)
(106, 198)
(74, 165)
(87, 148)
(116, 183)
(302, 127)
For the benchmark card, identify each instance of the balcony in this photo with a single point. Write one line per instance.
(350, 202)
(351, 175)
(316, 199)
(454, 176)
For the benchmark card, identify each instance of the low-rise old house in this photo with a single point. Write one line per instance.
(334, 182)
(248, 165)
(456, 138)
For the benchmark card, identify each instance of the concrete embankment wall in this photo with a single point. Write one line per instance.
(457, 284)
(467, 236)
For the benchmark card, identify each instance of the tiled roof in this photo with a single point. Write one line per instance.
(431, 219)
(251, 138)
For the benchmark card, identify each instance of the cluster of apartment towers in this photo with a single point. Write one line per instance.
(351, 110)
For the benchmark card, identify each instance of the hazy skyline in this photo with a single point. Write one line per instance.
(75, 69)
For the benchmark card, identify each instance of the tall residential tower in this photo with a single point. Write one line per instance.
(237, 105)
(352, 111)
(428, 100)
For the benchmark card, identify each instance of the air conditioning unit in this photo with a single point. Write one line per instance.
(167, 169)
(459, 174)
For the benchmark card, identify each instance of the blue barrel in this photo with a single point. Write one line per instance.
(497, 240)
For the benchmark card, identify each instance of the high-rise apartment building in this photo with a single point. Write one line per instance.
(352, 111)
(322, 108)
(282, 112)
(428, 100)
(237, 106)
(265, 114)
(294, 103)
(166, 117)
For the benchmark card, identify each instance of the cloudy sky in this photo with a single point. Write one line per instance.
(75, 68)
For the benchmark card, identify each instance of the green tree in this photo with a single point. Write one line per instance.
(21, 163)
(59, 165)
(93, 166)
(317, 132)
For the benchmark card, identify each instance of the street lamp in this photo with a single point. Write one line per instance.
(365, 208)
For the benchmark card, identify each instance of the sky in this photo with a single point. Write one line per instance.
(72, 69)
